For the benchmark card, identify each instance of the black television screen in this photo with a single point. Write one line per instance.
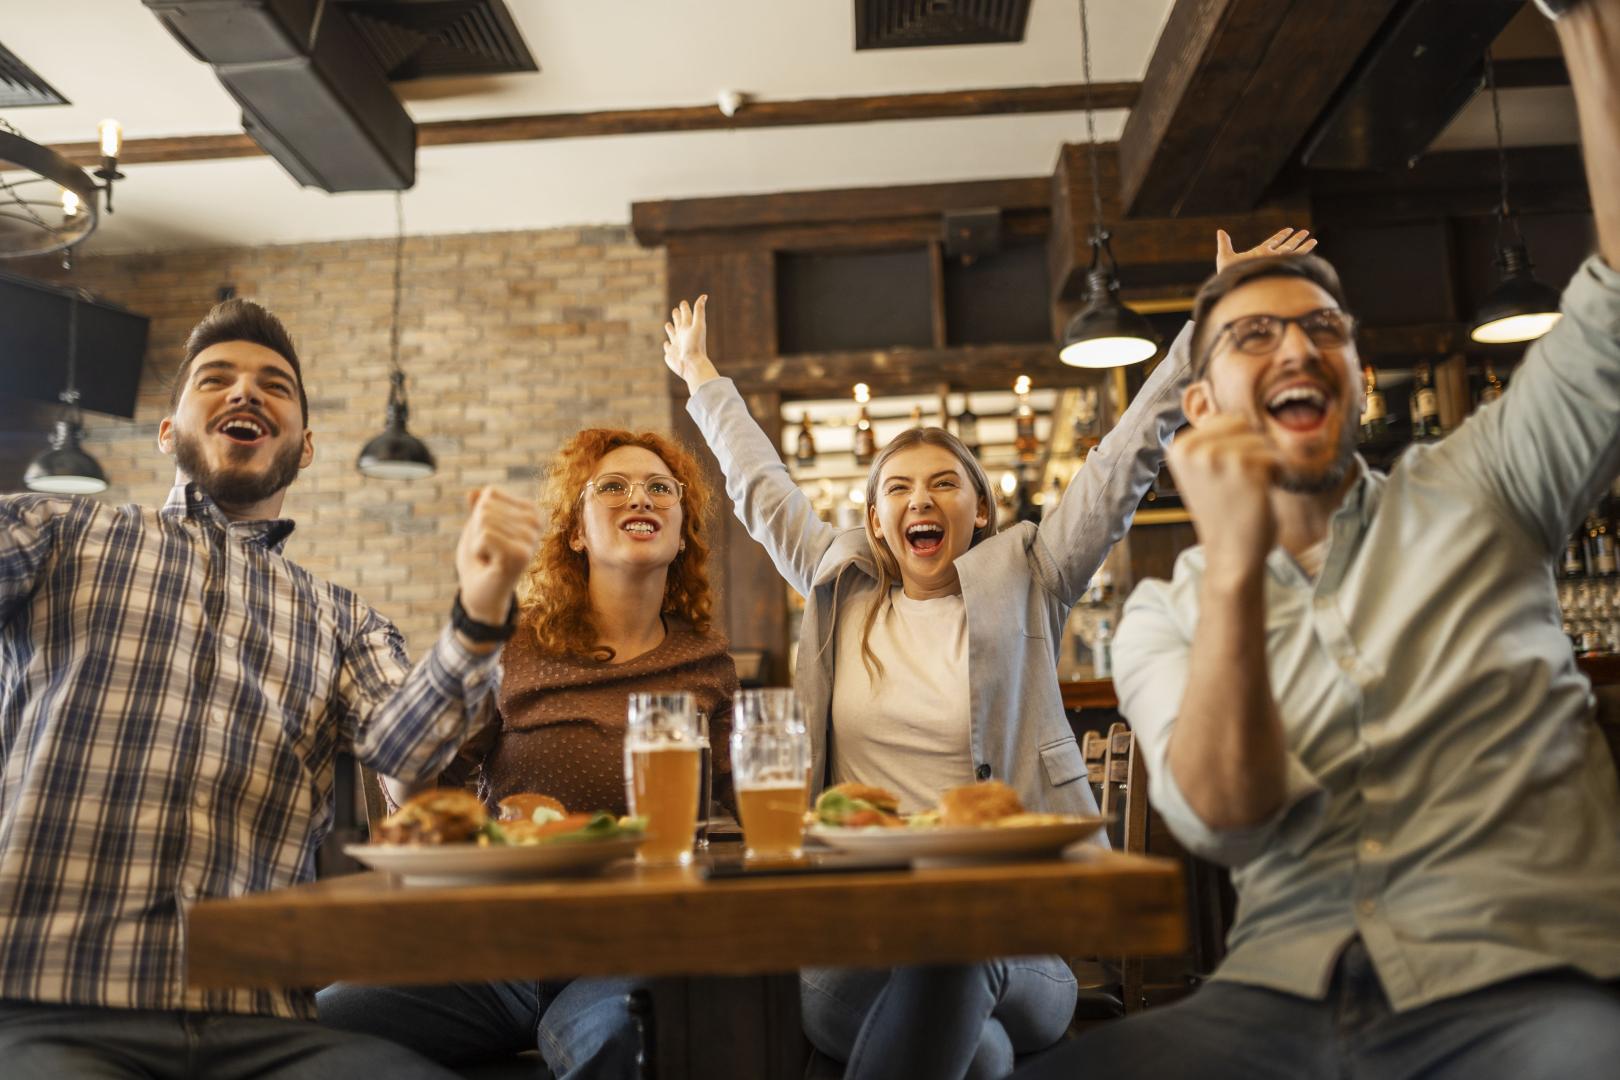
(34, 347)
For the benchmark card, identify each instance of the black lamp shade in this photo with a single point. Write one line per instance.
(1106, 333)
(65, 469)
(1520, 308)
(396, 454)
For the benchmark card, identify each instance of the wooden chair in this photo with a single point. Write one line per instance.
(1124, 801)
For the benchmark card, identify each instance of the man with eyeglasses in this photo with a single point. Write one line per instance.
(1355, 692)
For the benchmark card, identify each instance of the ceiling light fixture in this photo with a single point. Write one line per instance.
(1105, 333)
(65, 469)
(1521, 307)
(396, 454)
(47, 203)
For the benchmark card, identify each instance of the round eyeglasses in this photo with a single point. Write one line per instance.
(614, 490)
(1257, 335)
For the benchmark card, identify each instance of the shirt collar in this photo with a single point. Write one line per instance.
(1354, 514)
(187, 500)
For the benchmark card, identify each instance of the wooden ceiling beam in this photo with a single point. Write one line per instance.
(656, 223)
(1232, 89)
(994, 101)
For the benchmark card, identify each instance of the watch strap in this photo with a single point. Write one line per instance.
(482, 632)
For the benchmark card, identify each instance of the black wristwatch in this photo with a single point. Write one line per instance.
(482, 632)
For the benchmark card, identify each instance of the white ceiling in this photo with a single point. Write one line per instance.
(113, 58)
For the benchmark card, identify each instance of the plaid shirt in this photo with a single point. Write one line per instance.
(172, 694)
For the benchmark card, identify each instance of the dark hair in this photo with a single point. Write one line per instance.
(240, 320)
(1312, 268)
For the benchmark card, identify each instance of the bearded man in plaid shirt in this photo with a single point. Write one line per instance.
(173, 694)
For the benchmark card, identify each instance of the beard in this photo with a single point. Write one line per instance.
(238, 486)
(1328, 477)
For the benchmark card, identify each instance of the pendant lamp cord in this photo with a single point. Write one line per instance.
(396, 377)
(1504, 210)
(1099, 233)
(70, 392)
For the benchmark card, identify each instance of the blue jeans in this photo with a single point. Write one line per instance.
(582, 1027)
(52, 1042)
(1559, 1024)
(939, 1023)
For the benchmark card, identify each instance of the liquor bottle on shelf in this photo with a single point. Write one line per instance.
(1425, 405)
(1493, 386)
(967, 427)
(1599, 545)
(1102, 651)
(804, 452)
(1573, 564)
(1025, 444)
(916, 416)
(1375, 415)
(865, 438)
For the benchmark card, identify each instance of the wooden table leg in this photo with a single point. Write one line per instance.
(721, 1027)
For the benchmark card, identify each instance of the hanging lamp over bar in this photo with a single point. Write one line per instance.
(65, 469)
(396, 454)
(1105, 333)
(1521, 307)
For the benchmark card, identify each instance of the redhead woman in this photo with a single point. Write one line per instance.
(927, 661)
(616, 602)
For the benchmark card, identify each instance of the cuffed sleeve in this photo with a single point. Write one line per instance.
(410, 721)
(1150, 677)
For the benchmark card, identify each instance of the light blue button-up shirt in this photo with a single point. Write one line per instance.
(1450, 798)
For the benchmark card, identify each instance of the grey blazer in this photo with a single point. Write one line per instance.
(1017, 586)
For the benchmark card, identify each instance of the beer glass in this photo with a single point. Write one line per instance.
(661, 765)
(770, 765)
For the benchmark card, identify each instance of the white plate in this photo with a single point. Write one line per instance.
(456, 864)
(945, 844)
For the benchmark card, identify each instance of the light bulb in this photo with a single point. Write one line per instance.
(70, 203)
(863, 393)
(112, 138)
(1009, 483)
(1022, 385)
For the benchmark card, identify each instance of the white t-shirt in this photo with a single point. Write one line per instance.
(907, 729)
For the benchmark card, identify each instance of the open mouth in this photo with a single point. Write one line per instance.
(1300, 407)
(640, 528)
(243, 430)
(925, 538)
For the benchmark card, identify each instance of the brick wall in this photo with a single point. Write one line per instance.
(510, 341)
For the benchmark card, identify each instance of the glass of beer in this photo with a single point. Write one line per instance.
(661, 763)
(770, 764)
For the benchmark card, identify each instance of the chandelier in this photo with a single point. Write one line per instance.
(47, 203)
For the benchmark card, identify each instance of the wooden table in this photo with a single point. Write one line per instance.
(368, 928)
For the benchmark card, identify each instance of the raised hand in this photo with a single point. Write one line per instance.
(1283, 242)
(497, 543)
(687, 350)
(1224, 471)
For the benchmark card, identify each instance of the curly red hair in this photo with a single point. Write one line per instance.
(553, 595)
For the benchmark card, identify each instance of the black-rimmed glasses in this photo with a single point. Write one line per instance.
(614, 490)
(1257, 335)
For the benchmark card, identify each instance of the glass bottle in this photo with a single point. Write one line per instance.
(1493, 386)
(1375, 415)
(1025, 444)
(1600, 545)
(1425, 406)
(805, 451)
(967, 427)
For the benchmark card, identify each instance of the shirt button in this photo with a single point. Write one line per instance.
(216, 718)
(1371, 847)
(188, 892)
(982, 772)
(1367, 907)
(1347, 662)
(201, 799)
